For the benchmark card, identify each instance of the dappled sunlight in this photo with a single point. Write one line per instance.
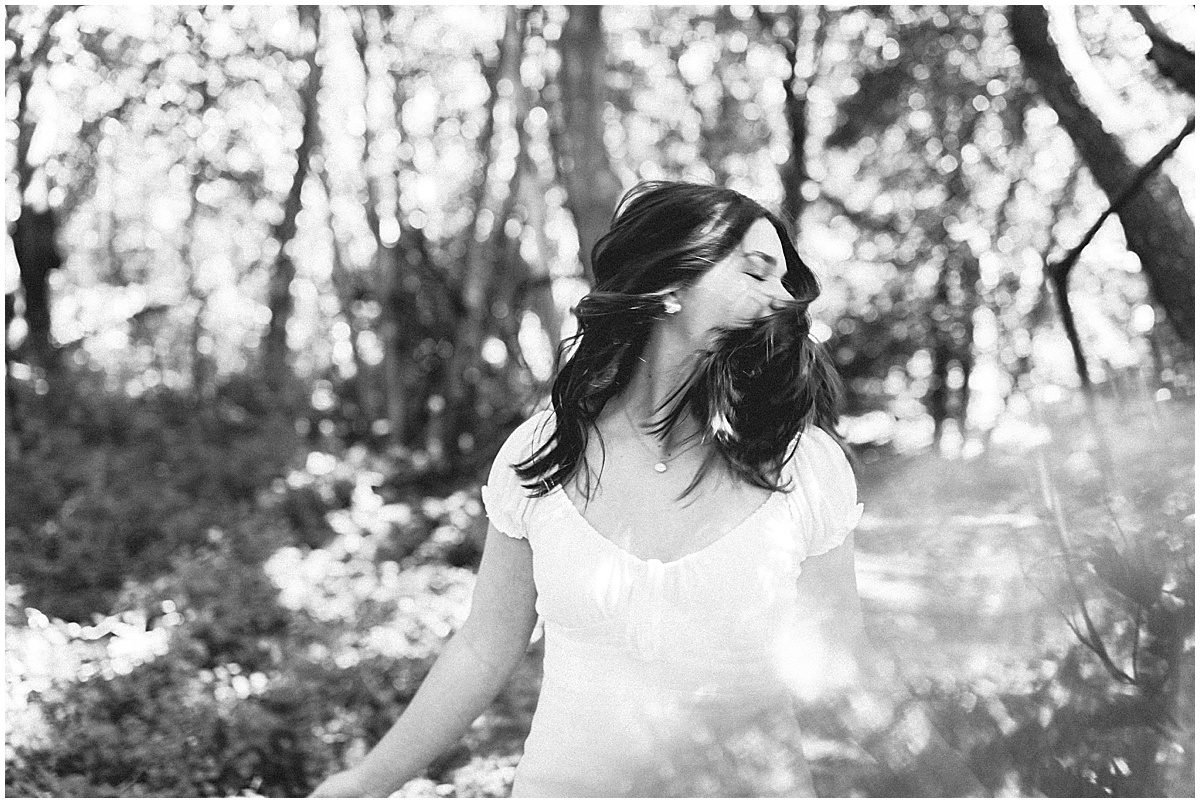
(397, 609)
(970, 571)
(41, 653)
(45, 651)
(959, 574)
(811, 667)
(352, 610)
(288, 275)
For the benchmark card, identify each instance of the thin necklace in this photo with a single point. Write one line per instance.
(661, 465)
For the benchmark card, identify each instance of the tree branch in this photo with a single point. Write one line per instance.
(1157, 225)
(1065, 264)
(1176, 63)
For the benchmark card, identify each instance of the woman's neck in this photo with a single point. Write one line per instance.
(665, 364)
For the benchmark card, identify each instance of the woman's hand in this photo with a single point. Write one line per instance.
(471, 669)
(347, 783)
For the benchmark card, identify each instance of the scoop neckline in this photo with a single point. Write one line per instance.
(561, 493)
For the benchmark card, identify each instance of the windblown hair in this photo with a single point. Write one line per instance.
(754, 390)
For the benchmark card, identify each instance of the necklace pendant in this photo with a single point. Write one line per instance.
(660, 467)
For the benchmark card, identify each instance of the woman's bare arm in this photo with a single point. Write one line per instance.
(472, 669)
(830, 628)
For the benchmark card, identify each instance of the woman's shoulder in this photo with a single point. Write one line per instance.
(819, 462)
(504, 496)
(818, 447)
(824, 493)
(527, 437)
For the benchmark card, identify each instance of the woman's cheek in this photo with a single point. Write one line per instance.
(715, 308)
(751, 306)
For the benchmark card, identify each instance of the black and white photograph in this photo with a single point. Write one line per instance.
(599, 401)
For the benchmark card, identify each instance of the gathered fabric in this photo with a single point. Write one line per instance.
(670, 678)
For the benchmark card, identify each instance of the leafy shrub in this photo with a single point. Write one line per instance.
(116, 488)
(253, 665)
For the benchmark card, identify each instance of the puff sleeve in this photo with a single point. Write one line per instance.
(505, 499)
(825, 499)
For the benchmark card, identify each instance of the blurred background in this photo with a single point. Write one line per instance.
(279, 281)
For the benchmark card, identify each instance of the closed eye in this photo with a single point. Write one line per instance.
(762, 267)
(760, 278)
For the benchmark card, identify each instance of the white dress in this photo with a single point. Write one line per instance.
(670, 678)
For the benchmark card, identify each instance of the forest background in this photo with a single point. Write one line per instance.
(279, 280)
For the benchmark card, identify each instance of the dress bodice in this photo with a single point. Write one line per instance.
(636, 636)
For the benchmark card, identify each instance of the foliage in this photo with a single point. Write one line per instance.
(957, 202)
(935, 187)
(257, 664)
(1108, 710)
(1067, 728)
(251, 663)
(117, 486)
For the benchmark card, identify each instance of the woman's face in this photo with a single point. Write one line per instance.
(737, 290)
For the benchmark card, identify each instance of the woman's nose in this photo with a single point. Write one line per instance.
(774, 291)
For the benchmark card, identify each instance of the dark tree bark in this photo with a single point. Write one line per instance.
(1157, 226)
(537, 290)
(421, 309)
(593, 188)
(1060, 285)
(938, 397)
(201, 367)
(1176, 63)
(1055, 285)
(794, 171)
(10, 314)
(387, 262)
(347, 290)
(1060, 271)
(955, 299)
(512, 273)
(36, 247)
(276, 361)
(35, 231)
(957, 293)
(491, 260)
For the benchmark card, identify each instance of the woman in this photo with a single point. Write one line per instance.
(680, 520)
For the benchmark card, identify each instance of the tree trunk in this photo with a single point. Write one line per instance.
(1176, 63)
(938, 397)
(24, 65)
(387, 263)
(35, 232)
(964, 292)
(199, 362)
(36, 248)
(279, 293)
(10, 314)
(794, 172)
(593, 188)
(511, 272)
(11, 422)
(346, 289)
(1157, 226)
(957, 293)
(539, 295)
(489, 258)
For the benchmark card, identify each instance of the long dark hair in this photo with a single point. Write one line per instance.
(753, 390)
